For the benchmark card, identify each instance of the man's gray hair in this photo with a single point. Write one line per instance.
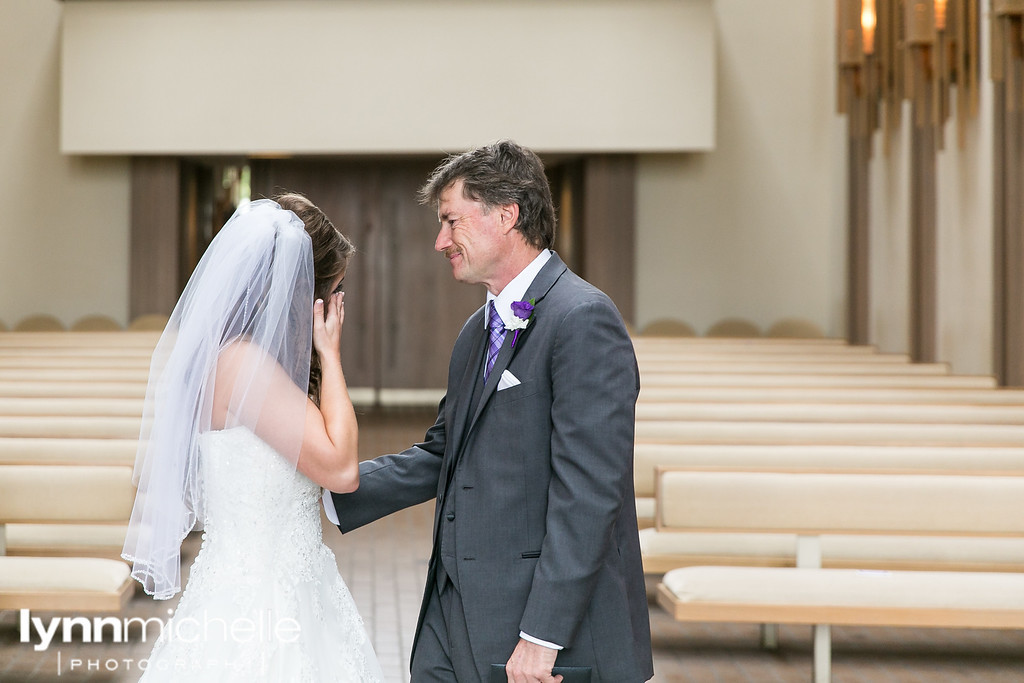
(500, 174)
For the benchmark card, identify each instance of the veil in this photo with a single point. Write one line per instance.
(252, 289)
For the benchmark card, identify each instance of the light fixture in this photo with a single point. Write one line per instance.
(892, 50)
(1008, 49)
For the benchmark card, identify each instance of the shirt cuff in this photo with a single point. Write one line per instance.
(538, 641)
(329, 510)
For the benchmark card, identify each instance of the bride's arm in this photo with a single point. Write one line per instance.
(324, 440)
(330, 445)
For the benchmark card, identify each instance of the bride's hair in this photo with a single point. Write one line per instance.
(331, 253)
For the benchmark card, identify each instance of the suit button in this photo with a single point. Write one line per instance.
(451, 516)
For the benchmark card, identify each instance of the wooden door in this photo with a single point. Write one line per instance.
(403, 309)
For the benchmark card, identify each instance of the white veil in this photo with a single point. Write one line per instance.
(253, 285)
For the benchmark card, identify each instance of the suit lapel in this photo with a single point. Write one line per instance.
(537, 290)
(466, 386)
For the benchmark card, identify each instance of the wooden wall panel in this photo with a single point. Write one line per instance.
(858, 230)
(1009, 240)
(154, 281)
(608, 231)
(923, 246)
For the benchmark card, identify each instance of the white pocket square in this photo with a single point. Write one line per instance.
(507, 380)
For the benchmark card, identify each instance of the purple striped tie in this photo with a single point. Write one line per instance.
(497, 335)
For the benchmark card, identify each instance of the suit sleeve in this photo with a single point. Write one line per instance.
(594, 388)
(394, 482)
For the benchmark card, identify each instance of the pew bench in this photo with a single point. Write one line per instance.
(739, 366)
(828, 412)
(824, 394)
(71, 389)
(68, 451)
(862, 433)
(66, 339)
(779, 344)
(71, 406)
(76, 374)
(9, 361)
(64, 495)
(70, 426)
(679, 380)
(810, 505)
(809, 457)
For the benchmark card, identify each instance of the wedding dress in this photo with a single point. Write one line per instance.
(264, 600)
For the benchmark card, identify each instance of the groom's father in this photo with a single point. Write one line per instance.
(536, 558)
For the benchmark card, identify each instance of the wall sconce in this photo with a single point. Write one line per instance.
(1008, 49)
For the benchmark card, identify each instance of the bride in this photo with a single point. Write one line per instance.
(246, 416)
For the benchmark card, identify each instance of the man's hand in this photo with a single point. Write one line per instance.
(531, 663)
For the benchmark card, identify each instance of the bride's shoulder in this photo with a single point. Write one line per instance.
(241, 351)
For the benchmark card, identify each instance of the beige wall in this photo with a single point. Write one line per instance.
(753, 228)
(64, 222)
(386, 77)
(965, 234)
(889, 230)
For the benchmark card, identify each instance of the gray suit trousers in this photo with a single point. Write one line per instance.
(444, 640)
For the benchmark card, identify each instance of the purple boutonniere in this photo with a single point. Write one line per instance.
(522, 313)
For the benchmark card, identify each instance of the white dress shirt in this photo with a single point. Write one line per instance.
(515, 290)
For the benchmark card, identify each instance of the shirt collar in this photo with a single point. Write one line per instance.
(516, 289)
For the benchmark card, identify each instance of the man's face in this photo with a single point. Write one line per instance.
(470, 237)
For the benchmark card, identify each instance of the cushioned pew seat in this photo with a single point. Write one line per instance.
(66, 540)
(35, 388)
(74, 426)
(67, 584)
(910, 434)
(812, 457)
(70, 406)
(61, 451)
(54, 494)
(852, 596)
(663, 551)
(813, 506)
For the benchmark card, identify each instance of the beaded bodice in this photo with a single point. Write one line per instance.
(259, 510)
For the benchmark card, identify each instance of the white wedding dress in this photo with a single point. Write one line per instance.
(264, 600)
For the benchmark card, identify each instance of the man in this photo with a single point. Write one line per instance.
(536, 557)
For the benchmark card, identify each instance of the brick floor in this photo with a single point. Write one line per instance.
(384, 565)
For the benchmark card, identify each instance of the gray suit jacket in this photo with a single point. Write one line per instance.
(546, 529)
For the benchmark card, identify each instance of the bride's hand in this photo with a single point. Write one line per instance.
(327, 326)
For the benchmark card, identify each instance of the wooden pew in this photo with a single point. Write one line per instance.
(647, 458)
(71, 340)
(844, 395)
(812, 505)
(71, 389)
(759, 343)
(76, 426)
(848, 380)
(70, 406)
(50, 450)
(113, 362)
(756, 356)
(64, 495)
(822, 433)
(805, 366)
(75, 374)
(829, 412)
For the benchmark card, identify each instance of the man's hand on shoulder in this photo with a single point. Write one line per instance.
(531, 663)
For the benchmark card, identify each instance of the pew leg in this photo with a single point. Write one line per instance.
(822, 653)
(769, 636)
